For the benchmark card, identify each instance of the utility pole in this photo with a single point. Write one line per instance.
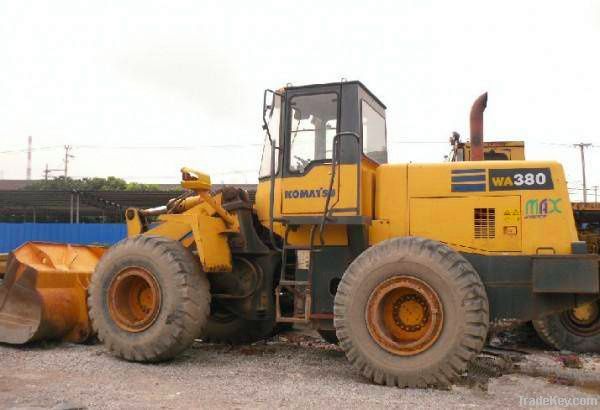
(47, 171)
(66, 160)
(582, 146)
(29, 158)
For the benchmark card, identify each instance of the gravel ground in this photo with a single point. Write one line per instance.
(294, 370)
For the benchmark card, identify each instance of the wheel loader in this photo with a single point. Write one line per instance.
(407, 266)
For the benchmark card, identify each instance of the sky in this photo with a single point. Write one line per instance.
(141, 88)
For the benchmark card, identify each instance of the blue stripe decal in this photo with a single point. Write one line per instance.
(468, 187)
(467, 171)
(469, 178)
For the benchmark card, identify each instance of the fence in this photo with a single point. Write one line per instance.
(12, 235)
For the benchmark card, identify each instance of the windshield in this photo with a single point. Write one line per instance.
(313, 124)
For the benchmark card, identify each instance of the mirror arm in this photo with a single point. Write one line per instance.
(272, 168)
(266, 108)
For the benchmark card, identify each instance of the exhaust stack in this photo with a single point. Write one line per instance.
(476, 122)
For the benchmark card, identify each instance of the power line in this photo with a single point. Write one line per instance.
(135, 147)
(50, 147)
(418, 142)
(169, 147)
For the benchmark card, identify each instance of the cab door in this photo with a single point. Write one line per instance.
(312, 121)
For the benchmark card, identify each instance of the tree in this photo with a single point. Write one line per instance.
(89, 184)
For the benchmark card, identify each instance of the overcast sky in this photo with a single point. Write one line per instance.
(183, 80)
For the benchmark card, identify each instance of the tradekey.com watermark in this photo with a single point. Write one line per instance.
(555, 401)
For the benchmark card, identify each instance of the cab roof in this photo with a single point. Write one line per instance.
(339, 83)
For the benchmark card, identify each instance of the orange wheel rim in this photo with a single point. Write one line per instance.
(404, 315)
(134, 299)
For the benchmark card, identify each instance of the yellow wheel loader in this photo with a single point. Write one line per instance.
(408, 266)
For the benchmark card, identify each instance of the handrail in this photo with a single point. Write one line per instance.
(336, 159)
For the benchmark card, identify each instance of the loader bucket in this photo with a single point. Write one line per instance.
(43, 295)
(3, 258)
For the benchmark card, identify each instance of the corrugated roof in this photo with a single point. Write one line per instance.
(11, 184)
(19, 201)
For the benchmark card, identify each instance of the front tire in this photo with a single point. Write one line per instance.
(411, 312)
(148, 299)
(576, 330)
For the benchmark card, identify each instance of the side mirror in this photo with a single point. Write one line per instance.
(268, 102)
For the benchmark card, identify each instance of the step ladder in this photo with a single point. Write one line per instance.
(300, 289)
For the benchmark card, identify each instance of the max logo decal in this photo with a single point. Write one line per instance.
(540, 208)
(308, 193)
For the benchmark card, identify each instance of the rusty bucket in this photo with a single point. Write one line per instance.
(43, 295)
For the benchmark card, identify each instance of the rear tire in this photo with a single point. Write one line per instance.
(148, 299)
(454, 315)
(567, 331)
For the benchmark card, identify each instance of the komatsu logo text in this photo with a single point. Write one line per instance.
(308, 193)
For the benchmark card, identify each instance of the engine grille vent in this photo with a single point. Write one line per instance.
(485, 223)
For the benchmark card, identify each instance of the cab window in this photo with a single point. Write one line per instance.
(373, 133)
(313, 124)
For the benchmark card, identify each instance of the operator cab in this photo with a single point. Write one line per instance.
(323, 143)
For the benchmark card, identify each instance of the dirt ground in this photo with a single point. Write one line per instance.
(293, 370)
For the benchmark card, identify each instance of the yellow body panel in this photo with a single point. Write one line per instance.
(209, 237)
(306, 194)
(303, 196)
(418, 199)
(205, 224)
(368, 173)
(449, 225)
(333, 234)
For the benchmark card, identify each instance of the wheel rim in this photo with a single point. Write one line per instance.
(134, 299)
(404, 315)
(583, 320)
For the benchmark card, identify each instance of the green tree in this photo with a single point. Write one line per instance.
(89, 184)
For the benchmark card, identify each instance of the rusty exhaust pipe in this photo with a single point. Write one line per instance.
(476, 121)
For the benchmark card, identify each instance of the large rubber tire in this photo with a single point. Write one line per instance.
(184, 293)
(559, 332)
(463, 300)
(329, 336)
(227, 328)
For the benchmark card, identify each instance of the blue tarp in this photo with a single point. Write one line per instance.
(13, 235)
